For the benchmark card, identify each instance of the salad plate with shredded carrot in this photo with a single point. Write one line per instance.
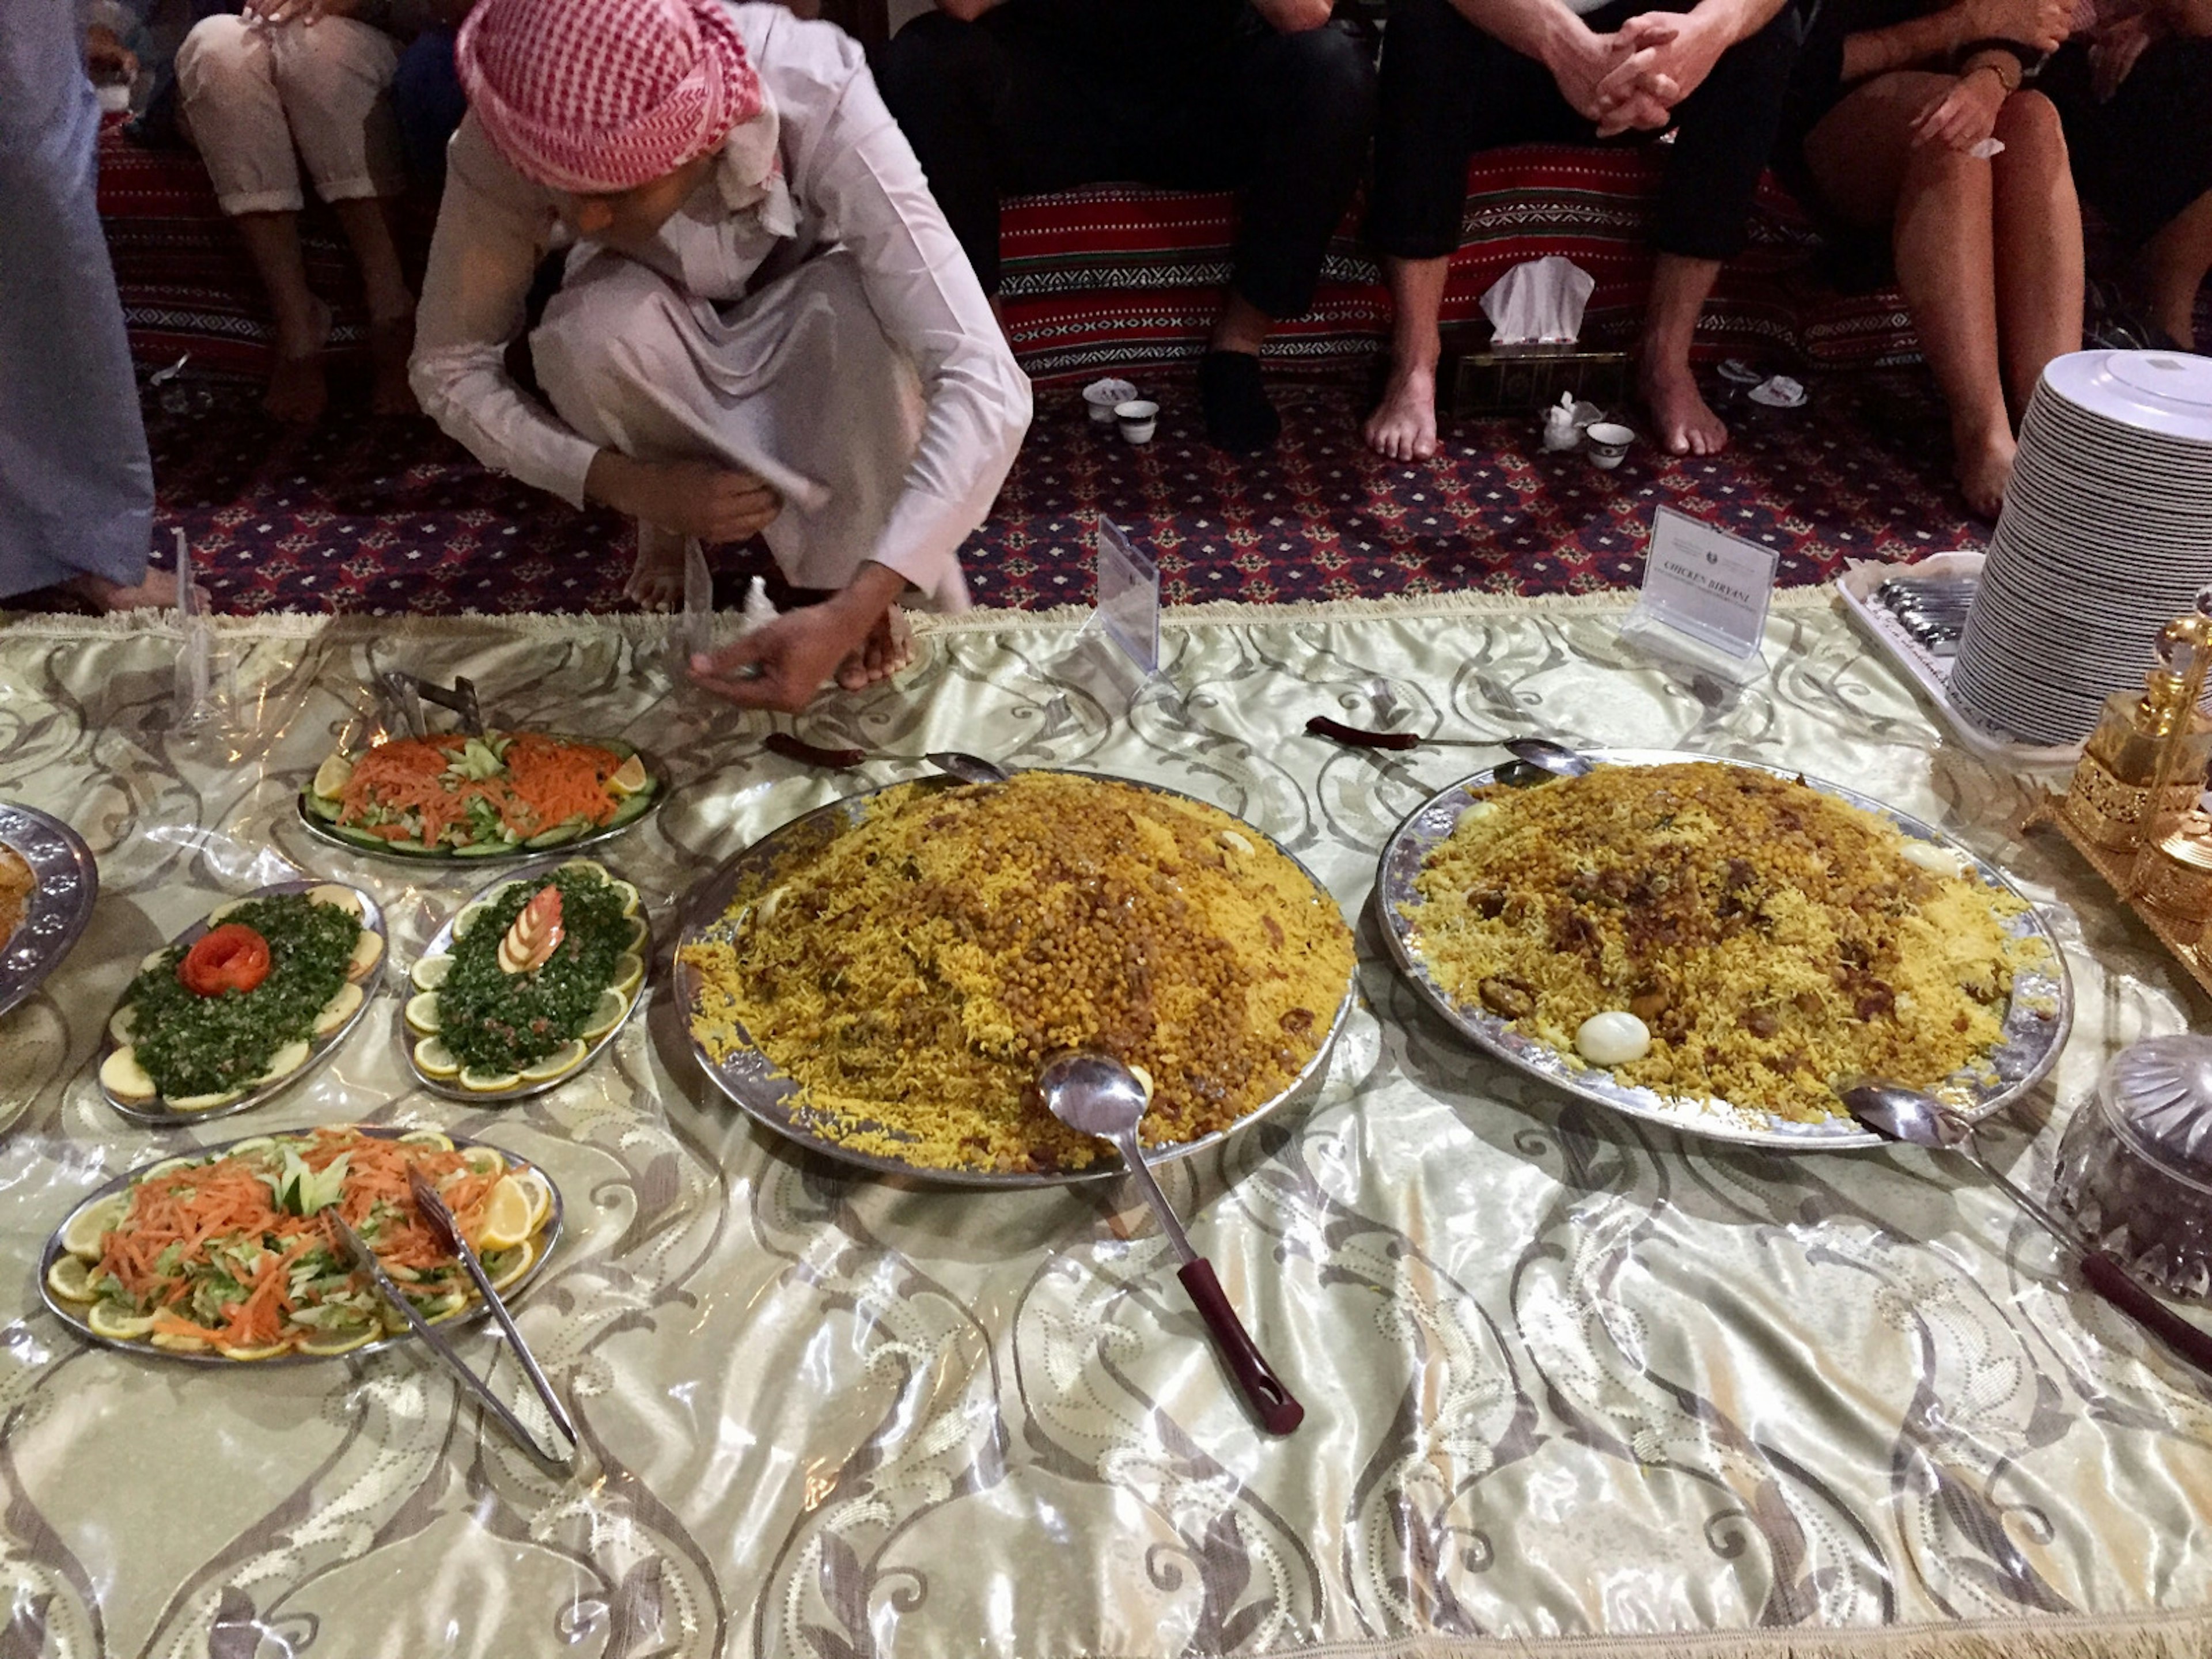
(230, 1255)
(450, 795)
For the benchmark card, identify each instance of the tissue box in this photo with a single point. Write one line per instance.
(1512, 380)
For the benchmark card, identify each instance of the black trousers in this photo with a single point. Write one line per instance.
(2144, 154)
(1000, 107)
(1448, 90)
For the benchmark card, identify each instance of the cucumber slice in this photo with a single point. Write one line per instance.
(483, 849)
(360, 838)
(558, 834)
(321, 806)
(632, 807)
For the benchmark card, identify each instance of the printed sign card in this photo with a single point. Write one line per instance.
(1705, 597)
(1128, 596)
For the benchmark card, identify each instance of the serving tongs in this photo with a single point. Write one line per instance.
(406, 693)
(442, 1224)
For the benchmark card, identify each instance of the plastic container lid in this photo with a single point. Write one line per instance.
(2157, 1097)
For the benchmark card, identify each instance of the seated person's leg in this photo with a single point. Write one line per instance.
(230, 110)
(1437, 68)
(2037, 220)
(946, 83)
(1725, 133)
(335, 80)
(427, 101)
(1299, 107)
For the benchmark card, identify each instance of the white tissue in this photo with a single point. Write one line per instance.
(1539, 302)
(759, 611)
(1988, 150)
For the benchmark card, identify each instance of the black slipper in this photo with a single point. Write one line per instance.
(1238, 416)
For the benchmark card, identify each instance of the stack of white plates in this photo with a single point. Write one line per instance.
(2105, 537)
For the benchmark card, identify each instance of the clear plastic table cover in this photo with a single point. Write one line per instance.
(1567, 1375)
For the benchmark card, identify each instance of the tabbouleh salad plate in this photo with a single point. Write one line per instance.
(527, 983)
(244, 1004)
(447, 797)
(219, 1256)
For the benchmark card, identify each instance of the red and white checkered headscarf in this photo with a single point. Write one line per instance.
(596, 95)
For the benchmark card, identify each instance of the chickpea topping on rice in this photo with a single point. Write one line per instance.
(1774, 939)
(912, 974)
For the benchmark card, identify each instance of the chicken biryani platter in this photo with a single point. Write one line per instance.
(527, 983)
(882, 979)
(450, 797)
(224, 1255)
(241, 1005)
(48, 884)
(1713, 945)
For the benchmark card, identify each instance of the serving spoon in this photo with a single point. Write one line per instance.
(1896, 1112)
(1096, 1094)
(1548, 756)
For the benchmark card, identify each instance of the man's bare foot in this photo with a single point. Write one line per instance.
(1685, 423)
(888, 647)
(389, 344)
(656, 580)
(1403, 427)
(1984, 466)
(298, 390)
(157, 592)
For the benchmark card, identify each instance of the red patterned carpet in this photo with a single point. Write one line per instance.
(389, 516)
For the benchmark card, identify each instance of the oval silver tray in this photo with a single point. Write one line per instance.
(2037, 1021)
(442, 945)
(66, 1312)
(770, 1098)
(322, 831)
(320, 1049)
(60, 906)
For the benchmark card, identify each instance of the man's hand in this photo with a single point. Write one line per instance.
(1294, 16)
(1667, 57)
(2114, 53)
(1605, 77)
(1964, 115)
(2041, 24)
(300, 11)
(790, 658)
(106, 58)
(705, 499)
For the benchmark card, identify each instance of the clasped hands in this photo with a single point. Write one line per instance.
(1633, 78)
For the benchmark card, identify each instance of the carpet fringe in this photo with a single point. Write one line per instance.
(631, 626)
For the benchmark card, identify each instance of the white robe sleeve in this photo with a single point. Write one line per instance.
(493, 226)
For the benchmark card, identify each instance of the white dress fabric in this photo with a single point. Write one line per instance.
(820, 328)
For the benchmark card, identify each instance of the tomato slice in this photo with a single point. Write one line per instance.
(231, 958)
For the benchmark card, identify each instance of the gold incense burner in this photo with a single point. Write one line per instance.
(2144, 766)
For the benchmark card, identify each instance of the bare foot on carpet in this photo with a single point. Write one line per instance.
(1683, 423)
(389, 343)
(297, 390)
(1403, 427)
(888, 647)
(1984, 466)
(157, 592)
(656, 580)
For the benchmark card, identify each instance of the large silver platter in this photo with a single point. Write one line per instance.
(548, 1236)
(2036, 1025)
(442, 945)
(749, 1077)
(60, 906)
(323, 831)
(320, 1049)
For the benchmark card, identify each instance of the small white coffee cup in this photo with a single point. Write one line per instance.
(1137, 418)
(1606, 442)
(1100, 396)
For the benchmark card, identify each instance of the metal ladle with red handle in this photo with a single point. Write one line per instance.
(1096, 1094)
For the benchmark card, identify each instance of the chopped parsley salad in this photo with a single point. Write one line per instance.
(538, 971)
(231, 1252)
(454, 796)
(207, 1021)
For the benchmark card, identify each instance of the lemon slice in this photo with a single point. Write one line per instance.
(339, 1009)
(268, 1352)
(489, 1082)
(83, 1232)
(484, 1160)
(215, 916)
(331, 777)
(533, 1181)
(639, 930)
(422, 1013)
(431, 1138)
(70, 1278)
(590, 867)
(367, 951)
(433, 1058)
(631, 898)
(431, 972)
(177, 1343)
(338, 897)
(342, 1339)
(525, 1255)
(629, 972)
(249, 1148)
(565, 1059)
(121, 1024)
(282, 1064)
(166, 1166)
(467, 918)
(109, 1319)
(122, 1076)
(629, 777)
(204, 1102)
(607, 1012)
(508, 1216)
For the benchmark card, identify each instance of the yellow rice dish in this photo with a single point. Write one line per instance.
(913, 975)
(1771, 938)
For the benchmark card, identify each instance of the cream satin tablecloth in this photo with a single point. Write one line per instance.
(1570, 1379)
